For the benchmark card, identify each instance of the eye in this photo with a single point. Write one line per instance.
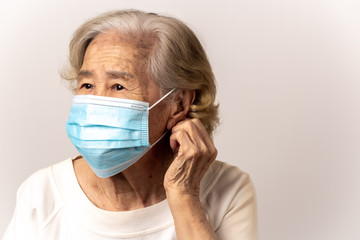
(117, 87)
(87, 86)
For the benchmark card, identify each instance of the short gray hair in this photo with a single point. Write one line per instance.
(176, 60)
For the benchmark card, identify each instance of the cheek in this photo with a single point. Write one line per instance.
(158, 119)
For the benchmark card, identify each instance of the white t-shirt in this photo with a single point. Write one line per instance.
(52, 206)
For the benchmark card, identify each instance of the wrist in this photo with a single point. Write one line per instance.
(189, 216)
(183, 199)
(184, 194)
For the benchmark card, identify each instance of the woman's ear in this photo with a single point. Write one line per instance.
(183, 101)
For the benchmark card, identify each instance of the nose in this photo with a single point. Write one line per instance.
(100, 90)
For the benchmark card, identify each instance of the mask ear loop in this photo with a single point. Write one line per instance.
(159, 139)
(158, 101)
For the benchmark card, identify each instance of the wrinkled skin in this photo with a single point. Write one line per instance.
(115, 66)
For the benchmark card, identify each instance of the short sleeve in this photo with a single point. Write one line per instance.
(35, 205)
(22, 225)
(240, 220)
(230, 203)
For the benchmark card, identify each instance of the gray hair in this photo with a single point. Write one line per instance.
(176, 60)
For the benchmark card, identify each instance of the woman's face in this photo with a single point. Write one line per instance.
(114, 66)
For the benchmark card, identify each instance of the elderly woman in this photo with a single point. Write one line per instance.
(142, 119)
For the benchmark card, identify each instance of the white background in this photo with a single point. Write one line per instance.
(288, 86)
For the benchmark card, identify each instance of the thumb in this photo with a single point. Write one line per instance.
(174, 143)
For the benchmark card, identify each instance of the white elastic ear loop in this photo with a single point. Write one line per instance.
(159, 139)
(171, 91)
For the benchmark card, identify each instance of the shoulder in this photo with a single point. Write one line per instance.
(225, 178)
(228, 195)
(38, 196)
(42, 182)
(36, 185)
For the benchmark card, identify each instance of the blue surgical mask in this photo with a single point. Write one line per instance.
(110, 133)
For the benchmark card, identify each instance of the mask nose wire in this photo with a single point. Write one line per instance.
(158, 101)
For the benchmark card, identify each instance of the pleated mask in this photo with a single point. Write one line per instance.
(110, 133)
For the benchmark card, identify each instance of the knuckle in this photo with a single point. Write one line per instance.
(214, 153)
(193, 153)
(182, 134)
(203, 150)
(189, 123)
(173, 135)
(196, 120)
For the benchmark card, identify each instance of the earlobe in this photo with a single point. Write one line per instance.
(183, 101)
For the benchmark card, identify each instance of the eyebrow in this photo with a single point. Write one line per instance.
(112, 74)
(85, 73)
(119, 74)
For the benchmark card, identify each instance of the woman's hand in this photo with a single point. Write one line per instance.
(193, 154)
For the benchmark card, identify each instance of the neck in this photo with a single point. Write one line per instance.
(138, 186)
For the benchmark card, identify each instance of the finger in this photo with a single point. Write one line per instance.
(201, 129)
(180, 138)
(211, 151)
(196, 129)
(203, 141)
(199, 137)
(191, 153)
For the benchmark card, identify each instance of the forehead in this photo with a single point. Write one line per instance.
(111, 51)
(135, 44)
(107, 46)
